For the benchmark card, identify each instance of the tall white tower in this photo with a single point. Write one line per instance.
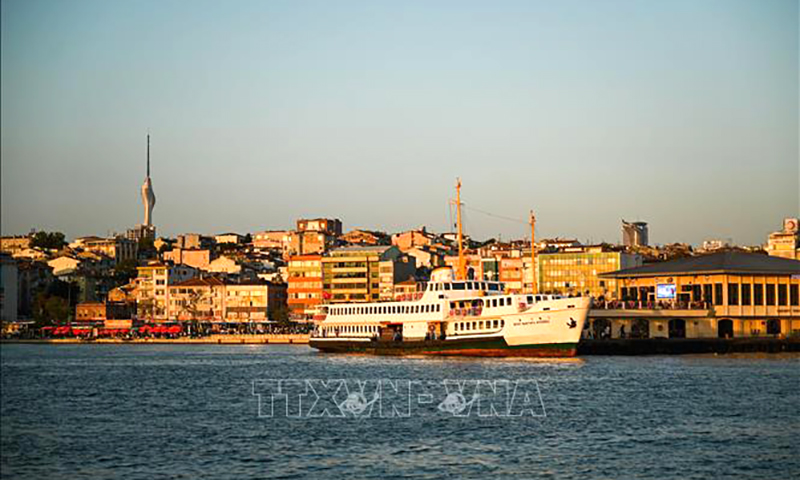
(148, 195)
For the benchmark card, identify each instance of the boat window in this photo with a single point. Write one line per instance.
(458, 286)
(480, 325)
(502, 323)
(447, 286)
(495, 324)
(494, 287)
(474, 325)
(530, 298)
(469, 286)
(494, 302)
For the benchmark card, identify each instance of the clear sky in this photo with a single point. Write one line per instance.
(680, 113)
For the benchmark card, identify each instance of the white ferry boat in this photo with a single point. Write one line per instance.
(456, 317)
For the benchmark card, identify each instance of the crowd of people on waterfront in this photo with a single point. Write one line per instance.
(155, 331)
(602, 303)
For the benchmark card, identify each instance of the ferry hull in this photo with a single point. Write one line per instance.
(491, 347)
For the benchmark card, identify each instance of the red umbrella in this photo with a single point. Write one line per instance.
(174, 329)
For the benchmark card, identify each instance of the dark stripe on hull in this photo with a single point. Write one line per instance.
(490, 347)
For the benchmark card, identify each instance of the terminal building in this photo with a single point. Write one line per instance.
(726, 294)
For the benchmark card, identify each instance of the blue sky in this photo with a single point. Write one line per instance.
(681, 113)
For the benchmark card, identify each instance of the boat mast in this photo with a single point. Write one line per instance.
(461, 274)
(533, 253)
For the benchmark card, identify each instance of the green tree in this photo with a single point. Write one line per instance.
(50, 310)
(125, 271)
(281, 314)
(54, 240)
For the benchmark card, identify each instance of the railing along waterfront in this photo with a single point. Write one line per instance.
(649, 305)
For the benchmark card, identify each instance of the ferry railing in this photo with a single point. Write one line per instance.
(466, 312)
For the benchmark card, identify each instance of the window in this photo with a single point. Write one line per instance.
(793, 296)
(782, 300)
(480, 325)
(717, 294)
(758, 294)
(746, 294)
(733, 294)
(458, 286)
(495, 323)
(494, 287)
(770, 294)
(707, 293)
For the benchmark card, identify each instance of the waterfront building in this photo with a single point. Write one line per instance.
(96, 312)
(193, 257)
(211, 300)
(314, 236)
(13, 244)
(405, 289)
(196, 299)
(426, 257)
(64, 265)
(725, 294)
(635, 234)
(117, 248)
(713, 245)
(328, 226)
(364, 274)
(478, 267)
(224, 264)
(304, 277)
(578, 270)
(413, 238)
(272, 239)
(555, 244)
(786, 243)
(194, 241)
(33, 277)
(33, 253)
(9, 293)
(229, 238)
(363, 237)
(253, 302)
(153, 287)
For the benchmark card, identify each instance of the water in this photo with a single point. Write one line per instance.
(164, 411)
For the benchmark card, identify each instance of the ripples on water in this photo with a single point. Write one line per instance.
(137, 411)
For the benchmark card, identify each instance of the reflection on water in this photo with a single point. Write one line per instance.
(145, 411)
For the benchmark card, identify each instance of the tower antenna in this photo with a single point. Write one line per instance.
(148, 154)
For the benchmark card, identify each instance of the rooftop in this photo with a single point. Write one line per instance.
(720, 262)
(200, 282)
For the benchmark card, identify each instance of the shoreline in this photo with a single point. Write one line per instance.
(613, 347)
(273, 339)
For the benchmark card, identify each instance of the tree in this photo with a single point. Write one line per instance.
(51, 240)
(125, 271)
(50, 309)
(281, 314)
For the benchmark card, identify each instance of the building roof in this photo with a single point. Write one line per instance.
(363, 248)
(200, 282)
(721, 262)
